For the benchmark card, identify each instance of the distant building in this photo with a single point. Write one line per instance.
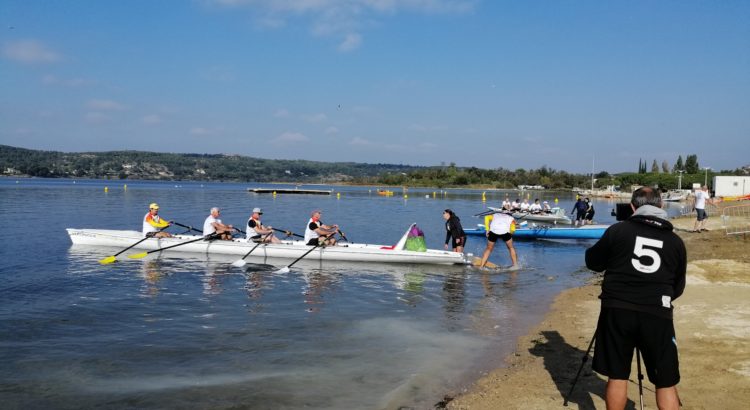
(731, 185)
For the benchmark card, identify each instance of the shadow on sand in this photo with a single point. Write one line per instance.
(562, 362)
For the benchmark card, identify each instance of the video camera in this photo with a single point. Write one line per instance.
(622, 211)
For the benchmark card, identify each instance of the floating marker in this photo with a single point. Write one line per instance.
(406, 196)
(556, 200)
(125, 187)
(338, 195)
(484, 197)
(433, 194)
(106, 189)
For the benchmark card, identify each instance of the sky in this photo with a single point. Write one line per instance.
(571, 85)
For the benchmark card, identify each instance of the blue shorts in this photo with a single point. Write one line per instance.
(701, 214)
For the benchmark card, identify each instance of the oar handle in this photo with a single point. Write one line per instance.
(288, 233)
(187, 227)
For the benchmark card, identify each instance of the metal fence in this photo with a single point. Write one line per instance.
(736, 219)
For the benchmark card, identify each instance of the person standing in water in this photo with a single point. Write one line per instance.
(454, 230)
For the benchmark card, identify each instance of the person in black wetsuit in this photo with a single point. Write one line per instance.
(454, 230)
(589, 217)
(580, 210)
(644, 264)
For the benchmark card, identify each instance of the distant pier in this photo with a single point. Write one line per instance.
(290, 191)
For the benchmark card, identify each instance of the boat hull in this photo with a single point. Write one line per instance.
(544, 232)
(284, 250)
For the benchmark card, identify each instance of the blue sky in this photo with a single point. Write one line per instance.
(513, 84)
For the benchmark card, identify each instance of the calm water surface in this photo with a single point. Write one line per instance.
(186, 331)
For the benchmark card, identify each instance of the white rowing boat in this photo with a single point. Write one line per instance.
(355, 252)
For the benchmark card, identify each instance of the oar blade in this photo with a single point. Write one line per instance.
(138, 255)
(239, 263)
(477, 261)
(108, 260)
(285, 269)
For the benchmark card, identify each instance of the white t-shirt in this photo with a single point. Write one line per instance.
(501, 223)
(535, 207)
(208, 228)
(700, 199)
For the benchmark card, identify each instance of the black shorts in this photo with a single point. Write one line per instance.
(619, 331)
(580, 216)
(589, 216)
(492, 237)
(461, 241)
(701, 214)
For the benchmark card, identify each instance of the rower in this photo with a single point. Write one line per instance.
(257, 232)
(153, 224)
(546, 207)
(317, 233)
(536, 207)
(525, 205)
(213, 225)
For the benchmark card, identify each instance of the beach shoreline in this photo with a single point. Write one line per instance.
(712, 322)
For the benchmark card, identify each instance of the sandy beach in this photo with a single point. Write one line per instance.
(712, 322)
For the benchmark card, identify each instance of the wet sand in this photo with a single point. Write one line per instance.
(712, 322)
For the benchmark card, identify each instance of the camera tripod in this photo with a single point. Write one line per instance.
(585, 358)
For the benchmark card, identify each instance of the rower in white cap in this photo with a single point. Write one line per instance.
(257, 232)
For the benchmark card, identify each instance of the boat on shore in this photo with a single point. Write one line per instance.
(287, 249)
(675, 195)
(548, 232)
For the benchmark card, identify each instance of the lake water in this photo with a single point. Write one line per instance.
(182, 331)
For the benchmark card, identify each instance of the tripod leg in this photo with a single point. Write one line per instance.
(583, 362)
(640, 376)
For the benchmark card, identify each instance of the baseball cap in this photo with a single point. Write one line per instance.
(258, 210)
(153, 205)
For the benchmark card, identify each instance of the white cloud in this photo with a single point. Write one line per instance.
(360, 142)
(204, 132)
(290, 138)
(94, 117)
(281, 113)
(319, 117)
(341, 19)
(105, 105)
(29, 52)
(351, 42)
(331, 130)
(151, 119)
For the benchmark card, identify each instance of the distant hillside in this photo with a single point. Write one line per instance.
(199, 167)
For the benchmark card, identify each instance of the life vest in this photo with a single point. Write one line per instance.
(310, 233)
(147, 226)
(251, 232)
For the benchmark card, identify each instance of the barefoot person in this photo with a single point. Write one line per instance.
(213, 225)
(317, 233)
(501, 227)
(153, 224)
(454, 231)
(644, 264)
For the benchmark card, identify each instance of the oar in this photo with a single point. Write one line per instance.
(285, 269)
(342, 235)
(241, 262)
(288, 233)
(113, 258)
(143, 254)
(477, 261)
(187, 227)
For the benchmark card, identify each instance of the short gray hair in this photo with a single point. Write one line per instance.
(646, 196)
(215, 209)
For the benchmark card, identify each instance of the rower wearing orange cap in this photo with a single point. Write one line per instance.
(153, 224)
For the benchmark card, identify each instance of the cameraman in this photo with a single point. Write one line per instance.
(644, 264)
